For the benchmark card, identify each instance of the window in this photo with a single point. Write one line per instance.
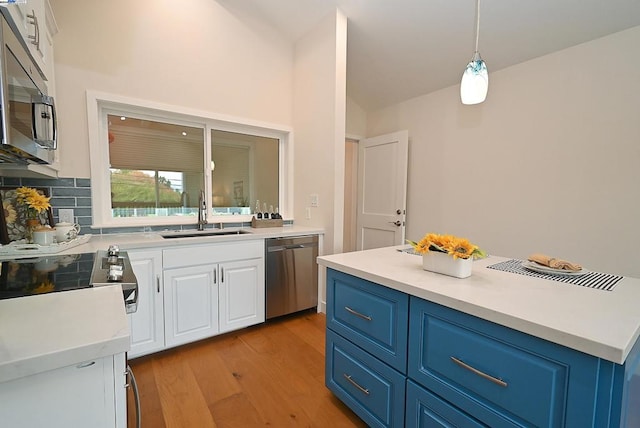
(148, 165)
(242, 172)
(154, 167)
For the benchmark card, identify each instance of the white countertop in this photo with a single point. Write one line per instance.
(131, 241)
(605, 324)
(49, 331)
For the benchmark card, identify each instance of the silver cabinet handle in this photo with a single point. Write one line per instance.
(354, 383)
(215, 276)
(136, 395)
(221, 275)
(464, 365)
(85, 365)
(35, 39)
(158, 283)
(358, 314)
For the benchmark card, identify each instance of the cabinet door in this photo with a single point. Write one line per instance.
(147, 323)
(81, 395)
(48, 30)
(372, 389)
(241, 294)
(425, 409)
(190, 304)
(36, 26)
(18, 14)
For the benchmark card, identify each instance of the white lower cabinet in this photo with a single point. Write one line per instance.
(241, 294)
(190, 304)
(193, 292)
(147, 323)
(88, 394)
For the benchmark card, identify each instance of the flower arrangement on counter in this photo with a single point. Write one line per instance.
(458, 248)
(34, 201)
(23, 209)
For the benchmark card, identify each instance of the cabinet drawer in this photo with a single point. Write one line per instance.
(460, 362)
(373, 390)
(207, 254)
(370, 315)
(425, 409)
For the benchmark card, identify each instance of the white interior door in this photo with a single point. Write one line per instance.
(382, 190)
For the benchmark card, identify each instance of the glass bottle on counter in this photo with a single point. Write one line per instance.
(258, 213)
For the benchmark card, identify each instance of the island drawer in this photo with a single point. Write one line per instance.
(372, 389)
(371, 316)
(503, 383)
(425, 409)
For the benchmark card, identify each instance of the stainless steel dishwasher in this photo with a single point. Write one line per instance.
(292, 274)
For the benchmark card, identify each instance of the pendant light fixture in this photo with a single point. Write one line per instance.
(475, 79)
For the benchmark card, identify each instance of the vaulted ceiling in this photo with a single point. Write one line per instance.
(399, 49)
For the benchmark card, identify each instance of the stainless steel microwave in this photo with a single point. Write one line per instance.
(28, 114)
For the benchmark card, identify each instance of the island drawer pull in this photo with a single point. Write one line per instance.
(354, 383)
(464, 365)
(358, 314)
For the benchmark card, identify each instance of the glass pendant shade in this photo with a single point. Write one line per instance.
(475, 79)
(475, 82)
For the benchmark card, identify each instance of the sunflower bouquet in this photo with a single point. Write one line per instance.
(25, 208)
(33, 200)
(458, 248)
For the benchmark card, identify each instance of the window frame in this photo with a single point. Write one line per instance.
(100, 104)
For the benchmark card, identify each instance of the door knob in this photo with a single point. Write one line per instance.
(398, 212)
(397, 222)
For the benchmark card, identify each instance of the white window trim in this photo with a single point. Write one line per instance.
(100, 103)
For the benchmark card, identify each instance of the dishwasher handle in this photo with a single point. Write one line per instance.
(293, 247)
(277, 248)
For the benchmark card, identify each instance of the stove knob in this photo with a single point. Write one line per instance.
(113, 250)
(115, 275)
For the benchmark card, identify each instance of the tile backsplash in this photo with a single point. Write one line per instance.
(74, 193)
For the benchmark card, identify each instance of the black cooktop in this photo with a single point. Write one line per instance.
(45, 274)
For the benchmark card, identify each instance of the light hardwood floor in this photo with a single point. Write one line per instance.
(267, 375)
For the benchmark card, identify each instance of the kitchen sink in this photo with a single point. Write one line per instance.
(199, 233)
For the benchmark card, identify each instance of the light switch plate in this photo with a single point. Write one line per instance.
(65, 215)
(313, 198)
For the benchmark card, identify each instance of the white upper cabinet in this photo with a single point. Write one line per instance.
(36, 25)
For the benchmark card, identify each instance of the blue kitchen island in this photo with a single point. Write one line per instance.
(407, 347)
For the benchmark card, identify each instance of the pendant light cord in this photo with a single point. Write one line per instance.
(477, 24)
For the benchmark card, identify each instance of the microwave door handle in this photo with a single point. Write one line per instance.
(47, 101)
(55, 127)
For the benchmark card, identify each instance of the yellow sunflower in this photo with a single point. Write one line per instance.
(32, 198)
(44, 287)
(9, 212)
(461, 248)
(449, 244)
(23, 193)
(38, 202)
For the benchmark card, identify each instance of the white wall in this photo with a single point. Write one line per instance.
(193, 54)
(319, 124)
(356, 120)
(549, 163)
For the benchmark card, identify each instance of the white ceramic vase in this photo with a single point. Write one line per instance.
(445, 264)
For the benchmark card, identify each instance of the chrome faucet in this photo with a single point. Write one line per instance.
(202, 211)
